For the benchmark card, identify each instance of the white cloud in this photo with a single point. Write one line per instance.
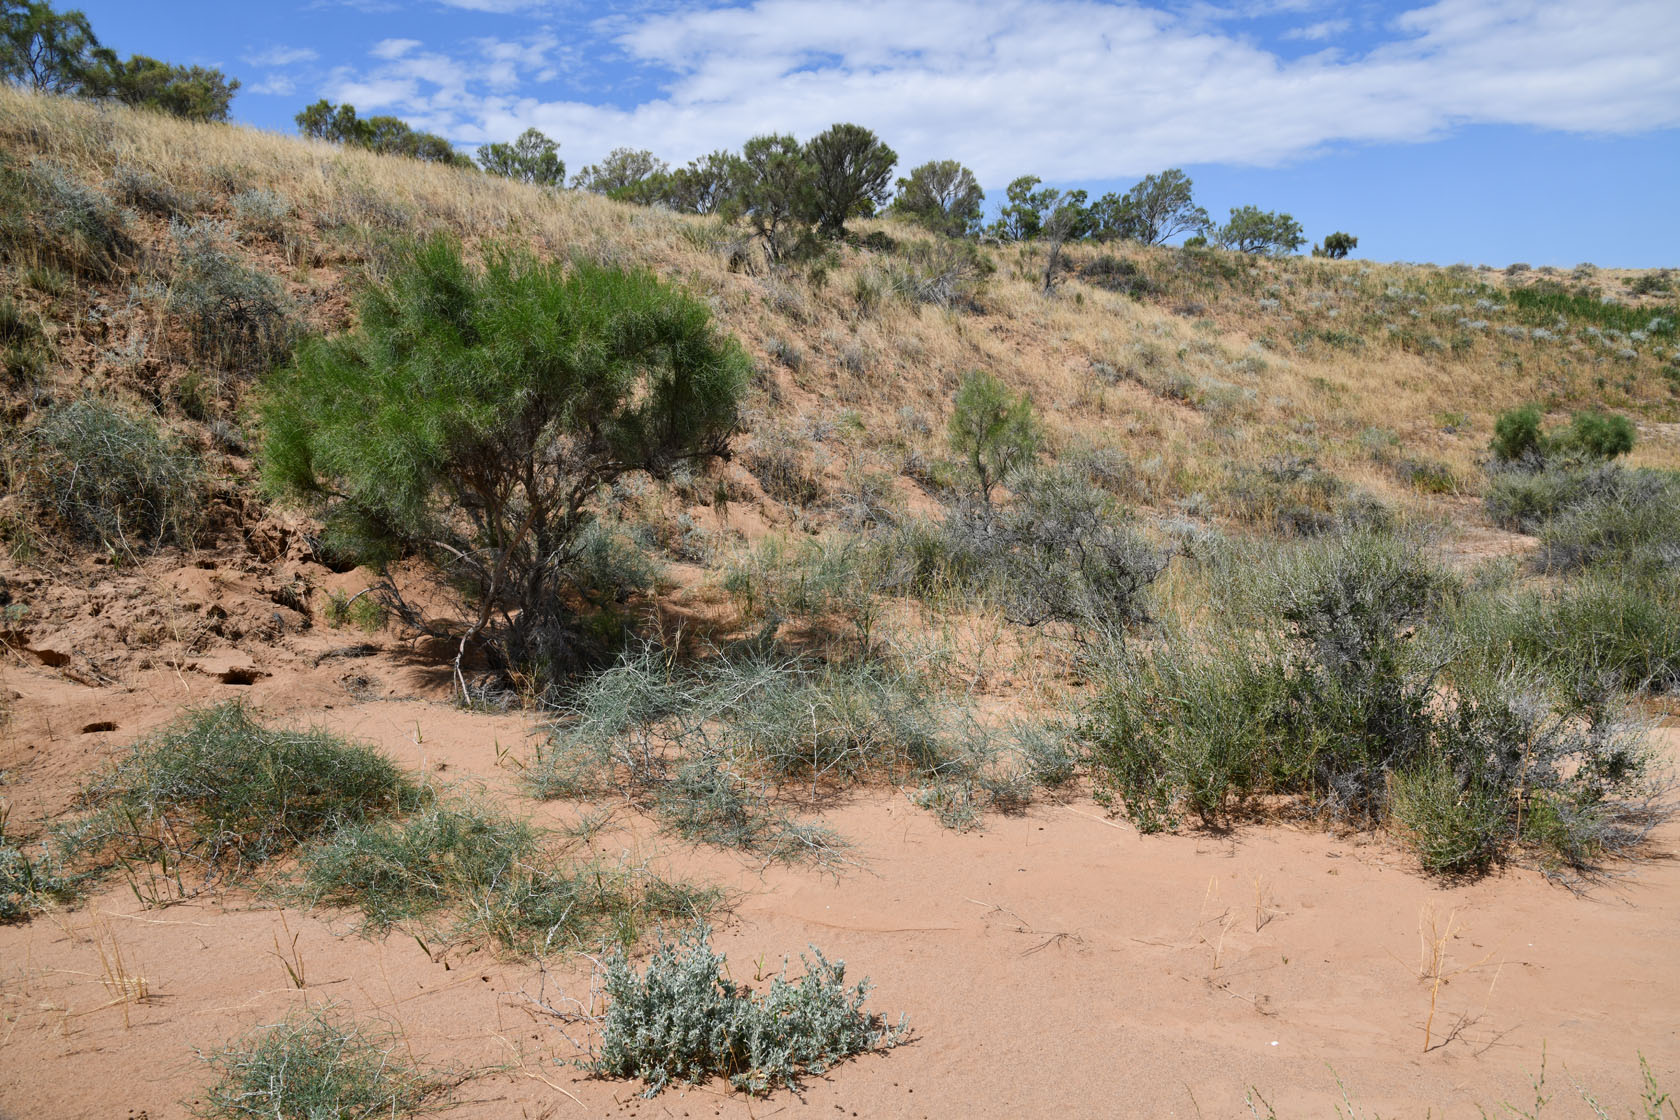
(394, 48)
(282, 56)
(1318, 32)
(276, 85)
(1067, 89)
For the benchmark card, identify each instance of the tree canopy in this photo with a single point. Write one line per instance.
(533, 158)
(941, 195)
(850, 172)
(473, 412)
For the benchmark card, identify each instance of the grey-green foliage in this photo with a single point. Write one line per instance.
(497, 876)
(235, 316)
(1253, 230)
(31, 875)
(48, 216)
(218, 790)
(1320, 677)
(682, 1020)
(943, 196)
(1059, 550)
(320, 1063)
(103, 475)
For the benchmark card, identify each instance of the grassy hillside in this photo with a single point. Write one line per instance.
(1217, 417)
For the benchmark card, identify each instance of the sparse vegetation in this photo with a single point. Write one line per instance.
(496, 875)
(102, 475)
(681, 1020)
(320, 1062)
(220, 793)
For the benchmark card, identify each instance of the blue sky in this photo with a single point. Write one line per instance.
(1486, 131)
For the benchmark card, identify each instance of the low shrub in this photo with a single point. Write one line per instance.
(497, 877)
(1633, 524)
(103, 475)
(142, 190)
(947, 273)
(1059, 551)
(31, 877)
(1595, 435)
(1516, 434)
(320, 1063)
(221, 792)
(49, 217)
(235, 316)
(1605, 630)
(682, 1020)
(1314, 683)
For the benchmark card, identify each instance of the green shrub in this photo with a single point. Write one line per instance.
(494, 872)
(1516, 434)
(1606, 629)
(1524, 500)
(235, 316)
(1633, 523)
(102, 475)
(1059, 551)
(1345, 707)
(1595, 435)
(681, 1020)
(221, 791)
(473, 413)
(992, 430)
(320, 1063)
(1456, 827)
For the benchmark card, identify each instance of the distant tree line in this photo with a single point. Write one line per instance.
(793, 195)
(58, 52)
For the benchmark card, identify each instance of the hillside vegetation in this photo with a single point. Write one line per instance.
(1208, 536)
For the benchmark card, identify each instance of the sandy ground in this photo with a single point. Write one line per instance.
(1056, 963)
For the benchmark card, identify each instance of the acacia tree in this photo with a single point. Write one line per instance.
(1253, 230)
(993, 429)
(943, 196)
(195, 93)
(1158, 208)
(706, 185)
(850, 170)
(533, 158)
(472, 415)
(48, 51)
(776, 192)
(622, 170)
(389, 135)
(1336, 246)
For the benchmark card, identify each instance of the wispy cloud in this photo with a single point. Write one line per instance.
(282, 56)
(1320, 31)
(1067, 89)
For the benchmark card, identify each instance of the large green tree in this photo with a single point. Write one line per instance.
(850, 172)
(620, 172)
(385, 134)
(1156, 209)
(941, 195)
(472, 415)
(776, 191)
(48, 51)
(1257, 231)
(197, 93)
(533, 158)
